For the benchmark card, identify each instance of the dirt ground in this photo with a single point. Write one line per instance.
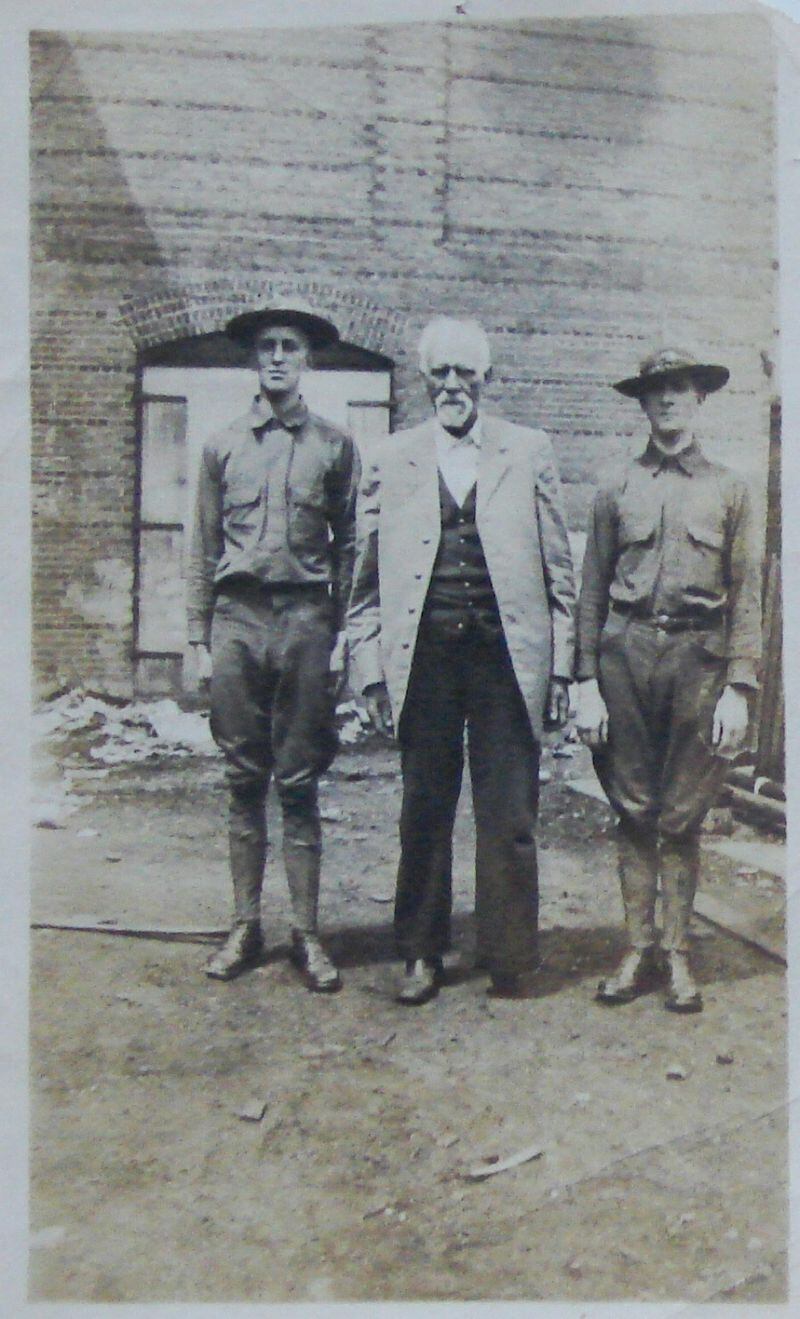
(147, 1185)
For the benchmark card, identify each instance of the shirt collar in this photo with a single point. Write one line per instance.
(471, 437)
(262, 414)
(690, 460)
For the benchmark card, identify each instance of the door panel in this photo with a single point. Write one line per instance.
(182, 408)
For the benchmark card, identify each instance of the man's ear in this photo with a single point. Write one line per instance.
(488, 375)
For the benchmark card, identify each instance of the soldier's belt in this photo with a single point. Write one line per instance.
(668, 622)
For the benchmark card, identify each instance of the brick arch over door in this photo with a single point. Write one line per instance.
(158, 316)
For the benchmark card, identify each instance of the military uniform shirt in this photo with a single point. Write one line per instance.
(673, 540)
(276, 506)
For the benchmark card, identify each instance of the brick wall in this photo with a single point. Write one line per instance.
(586, 189)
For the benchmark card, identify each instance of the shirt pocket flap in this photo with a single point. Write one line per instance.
(705, 534)
(240, 493)
(636, 525)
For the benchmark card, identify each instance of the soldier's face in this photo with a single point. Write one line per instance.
(454, 376)
(282, 355)
(672, 407)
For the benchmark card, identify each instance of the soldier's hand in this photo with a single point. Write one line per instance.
(338, 664)
(558, 709)
(731, 718)
(202, 663)
(376, 699)
(592, 716)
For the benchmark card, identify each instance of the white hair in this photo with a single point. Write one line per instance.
(469, 331)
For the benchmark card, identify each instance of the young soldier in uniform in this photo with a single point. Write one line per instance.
(269, 579)
(668, 646)
(462, 616)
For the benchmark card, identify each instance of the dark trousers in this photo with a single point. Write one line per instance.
(658, 768)
(457, 683)
(272, 715)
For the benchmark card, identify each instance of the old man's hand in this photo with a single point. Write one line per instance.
(376, 699)
(558, 710)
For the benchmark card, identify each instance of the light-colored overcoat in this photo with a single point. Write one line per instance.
(524, 538)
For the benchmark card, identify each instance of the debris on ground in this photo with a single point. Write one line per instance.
(253, 1111)
(724, 1059)
(676, 1073)
(318, 1052)
(495, 1165)
(124, 733)
(447, 1142)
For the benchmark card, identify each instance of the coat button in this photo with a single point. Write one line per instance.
(426, 540)
(405, 645)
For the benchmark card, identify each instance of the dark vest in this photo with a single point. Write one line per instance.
(460, 597)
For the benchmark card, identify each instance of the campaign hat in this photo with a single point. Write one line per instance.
(666, 364)
(319, 331)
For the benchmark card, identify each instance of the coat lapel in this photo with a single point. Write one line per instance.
(494, 462)
(419, 480)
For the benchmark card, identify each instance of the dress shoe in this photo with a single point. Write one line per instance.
(512, 985)
(242, 949)
(421, 981)
(317, 969)
(682, 992)
(637, 972)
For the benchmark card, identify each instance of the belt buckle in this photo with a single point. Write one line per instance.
(662, 622)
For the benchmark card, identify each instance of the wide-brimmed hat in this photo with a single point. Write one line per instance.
(670, 362)
(319, 331)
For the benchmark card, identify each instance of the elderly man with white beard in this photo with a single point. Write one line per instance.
(461, 616)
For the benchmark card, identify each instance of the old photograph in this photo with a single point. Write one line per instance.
(407, 881)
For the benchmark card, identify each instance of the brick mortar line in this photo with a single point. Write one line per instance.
(517, 29)
(513, 235)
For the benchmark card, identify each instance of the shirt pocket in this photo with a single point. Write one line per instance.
(636, 540)
(308, 522)
(240, 509)
(705, 542)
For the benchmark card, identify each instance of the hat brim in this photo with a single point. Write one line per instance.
(319, 331)
(706, 377)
